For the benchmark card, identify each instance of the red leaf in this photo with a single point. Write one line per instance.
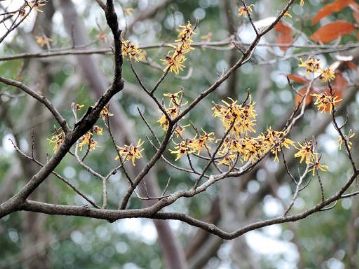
(298, 79)
(336, 6)
(332, 31)
(339, 84)
(299, 96)
(285, 36)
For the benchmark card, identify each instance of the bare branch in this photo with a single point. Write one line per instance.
(42, 99)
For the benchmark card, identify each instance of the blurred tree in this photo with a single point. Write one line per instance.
(102, 110)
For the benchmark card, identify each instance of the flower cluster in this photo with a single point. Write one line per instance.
(276, 140)
(312, 65)
(172, 112)
(194, 145)
(105, 114)
(182, 148)
(327, 74)
(325, 101)
(239, 121)
(240, 117)
(175, 103)
(306, 152)
(239, 144)
(174, 98)
(318, 166)
(245, 10)
(88, 138)
(43, 41)
(253, 148)
(246, 148)
(174, 61)
(347, 137)
(132, 51)
(57, 139)
(201, 142)
(130, 152)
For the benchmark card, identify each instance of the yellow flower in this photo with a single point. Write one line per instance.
(182, 148)
(43, 40)
(306, 152)
(327, 75)
(287, 14)
(242, 117)
(87, 139)
(325, 102)
(245, 10)
(57, 139)
(172, 113)
(301, 2)
(78, 106)
(97, 130)
(130, 152)
(132, 51)
(347, 137)
(318, 166)
(197, 144)
(163, 121)
(185, 33)
(276, 140)
(228, 160)
(175, 98)
(179, 130)
(248, 148)
(105, 113)
(311, 65)
(174, 61)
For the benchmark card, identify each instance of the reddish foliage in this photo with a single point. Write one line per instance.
(327, 10)
(351, 65)
(298, 79)
(339, 84)
(299, 96)
(284, 36)
(332, 31)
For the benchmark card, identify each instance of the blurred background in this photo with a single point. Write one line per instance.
(325, 240)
